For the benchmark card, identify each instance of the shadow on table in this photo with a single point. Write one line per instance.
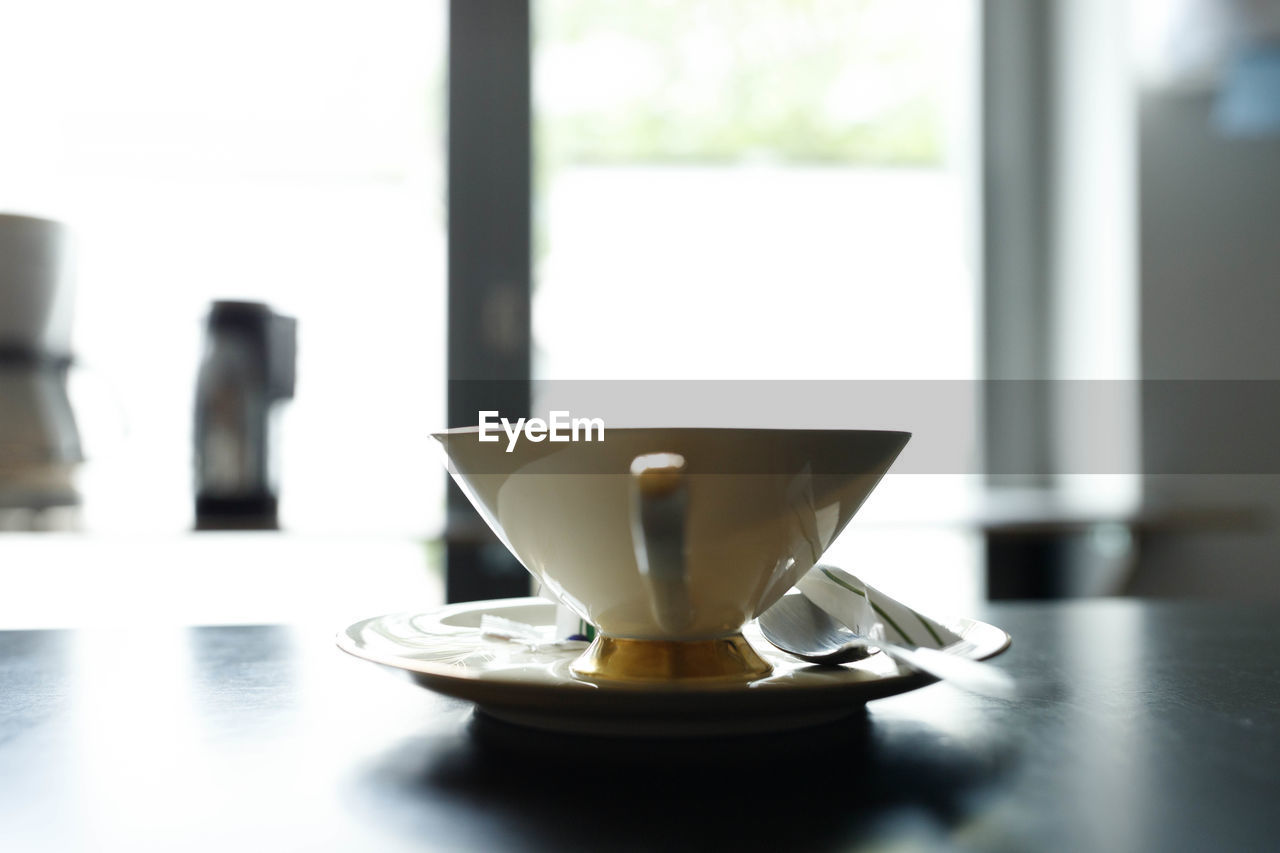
(860, 780)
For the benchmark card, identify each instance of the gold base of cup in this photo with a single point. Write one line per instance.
(621, 659)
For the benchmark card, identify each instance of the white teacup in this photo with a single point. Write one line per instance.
(35, 287)
(670, 540)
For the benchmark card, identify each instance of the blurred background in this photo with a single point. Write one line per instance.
(1046, 229)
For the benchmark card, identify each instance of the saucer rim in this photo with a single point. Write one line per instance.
(435, 675)
(620, 710)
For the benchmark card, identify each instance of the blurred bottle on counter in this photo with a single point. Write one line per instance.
(248, 367)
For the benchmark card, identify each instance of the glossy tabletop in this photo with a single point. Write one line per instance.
(1143, 726)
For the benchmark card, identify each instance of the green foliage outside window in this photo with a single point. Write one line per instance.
(720, 81)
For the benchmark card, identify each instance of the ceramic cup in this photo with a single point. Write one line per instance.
(670, 540)
(35, 287)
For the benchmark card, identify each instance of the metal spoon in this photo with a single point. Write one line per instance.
(802, 629)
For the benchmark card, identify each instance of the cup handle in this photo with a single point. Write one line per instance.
(659, 500)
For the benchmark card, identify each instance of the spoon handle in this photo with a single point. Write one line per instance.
(971, 675)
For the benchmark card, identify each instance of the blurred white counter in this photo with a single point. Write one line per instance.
(56, 580)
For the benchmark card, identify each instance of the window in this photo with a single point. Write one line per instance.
(780, 187)
(767, 191)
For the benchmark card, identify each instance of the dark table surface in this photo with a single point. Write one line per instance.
(1143, 726)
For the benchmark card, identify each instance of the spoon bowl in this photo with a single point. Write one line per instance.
(804, 630)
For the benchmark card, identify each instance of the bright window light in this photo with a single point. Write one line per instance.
(285, 151)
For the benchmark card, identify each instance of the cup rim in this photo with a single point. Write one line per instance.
(682, 429)
(9, 216)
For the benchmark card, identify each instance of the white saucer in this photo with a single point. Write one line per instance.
(444, 651)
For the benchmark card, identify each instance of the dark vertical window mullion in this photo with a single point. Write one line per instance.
(489, 209)
(1017, 229)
